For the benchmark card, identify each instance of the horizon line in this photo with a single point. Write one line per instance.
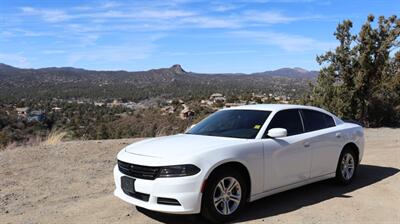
(125, 70)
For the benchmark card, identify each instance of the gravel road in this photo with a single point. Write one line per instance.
(72, 182)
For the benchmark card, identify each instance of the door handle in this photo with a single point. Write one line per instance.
(306, 144)
(338, 135)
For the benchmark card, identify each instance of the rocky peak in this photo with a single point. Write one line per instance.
(177, 69)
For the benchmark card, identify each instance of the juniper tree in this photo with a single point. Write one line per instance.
(360, 78)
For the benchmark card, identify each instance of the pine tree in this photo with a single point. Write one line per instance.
(360, 78)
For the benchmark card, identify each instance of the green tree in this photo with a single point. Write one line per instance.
(102, 132)
(360, 78)
(4, 139)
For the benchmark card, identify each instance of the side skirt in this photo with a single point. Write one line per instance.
(290, 186)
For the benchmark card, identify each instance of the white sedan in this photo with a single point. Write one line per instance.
(238, 155)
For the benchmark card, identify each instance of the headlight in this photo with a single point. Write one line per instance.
(179, 171)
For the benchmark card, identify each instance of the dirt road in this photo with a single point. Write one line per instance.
(72, 182)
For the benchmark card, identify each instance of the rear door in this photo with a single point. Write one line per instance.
(286, 159)
(325, 141)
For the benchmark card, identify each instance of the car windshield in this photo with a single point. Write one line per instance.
(232, 123)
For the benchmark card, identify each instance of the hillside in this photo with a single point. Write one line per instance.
(88, 104)
(67, 82)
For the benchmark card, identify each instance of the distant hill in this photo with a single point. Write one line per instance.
(78, 73)
(290, 73)
(67, 82)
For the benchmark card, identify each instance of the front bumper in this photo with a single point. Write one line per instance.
(186, 190)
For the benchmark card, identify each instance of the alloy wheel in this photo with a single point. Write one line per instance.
(347, 166)
(227, 195)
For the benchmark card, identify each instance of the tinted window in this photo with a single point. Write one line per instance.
(288, 119)
(314, 120)
(329, 121)
(232, 123)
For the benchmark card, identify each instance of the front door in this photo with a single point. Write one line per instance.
(287, 159)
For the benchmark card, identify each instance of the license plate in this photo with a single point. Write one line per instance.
(128, 184)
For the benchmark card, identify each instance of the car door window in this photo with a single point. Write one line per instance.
(314, 120)
(288, 119)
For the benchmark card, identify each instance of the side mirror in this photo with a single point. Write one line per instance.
(277, 132)
(191, 126)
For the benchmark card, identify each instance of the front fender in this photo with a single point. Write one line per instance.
(250, 155)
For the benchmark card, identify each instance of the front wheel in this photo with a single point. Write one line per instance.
(224, 196)
(347, 167)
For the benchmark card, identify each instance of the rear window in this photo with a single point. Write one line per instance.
(314, 120)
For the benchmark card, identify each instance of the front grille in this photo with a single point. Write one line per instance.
(141, 172)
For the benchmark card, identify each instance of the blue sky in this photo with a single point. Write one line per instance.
(202, 36)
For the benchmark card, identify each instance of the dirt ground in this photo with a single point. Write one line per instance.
(72, 182)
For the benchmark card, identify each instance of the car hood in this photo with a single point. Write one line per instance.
(179, 145)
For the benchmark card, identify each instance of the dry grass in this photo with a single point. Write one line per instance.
(54, 137)
(32, 141)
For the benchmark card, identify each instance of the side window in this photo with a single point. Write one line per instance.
(314, 120)
(329, 121)
(288, 119)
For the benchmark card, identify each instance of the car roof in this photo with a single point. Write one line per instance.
(278, 107)
(274, 107)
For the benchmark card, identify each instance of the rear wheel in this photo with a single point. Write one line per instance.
(224, 196)
(347, 166)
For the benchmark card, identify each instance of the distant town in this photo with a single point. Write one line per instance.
(167, 106)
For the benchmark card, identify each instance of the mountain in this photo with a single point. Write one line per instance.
(174, 70)
(291, 73)
(67, 82)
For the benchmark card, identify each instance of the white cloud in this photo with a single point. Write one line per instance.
(269, 17)
(122, 54)
(227, 52)
(28, 9)
(142, 14)
(110, 4)
(5, 34)
(48, 15)
(212, 53)
(14, 59)
(102, 5)
(31, 33)
(220, 7)
(281, 1)
(57, 15)
(285, 41)
(83, 28)
(164, 14)
(156, 18)
(209, 22)
(273, 17)
(54, 52)
(87, 40)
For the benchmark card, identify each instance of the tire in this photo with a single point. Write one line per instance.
(346, 167)
(217, 213)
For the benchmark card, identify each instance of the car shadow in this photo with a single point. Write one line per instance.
(293, 199)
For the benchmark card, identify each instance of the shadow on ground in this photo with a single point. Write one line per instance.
(292, 200)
